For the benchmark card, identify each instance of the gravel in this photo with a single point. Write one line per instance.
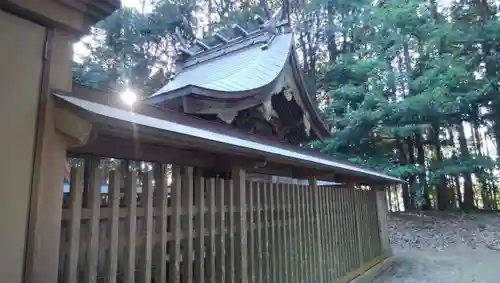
(437, 247)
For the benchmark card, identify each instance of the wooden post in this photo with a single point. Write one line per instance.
(161, 188)
(319, 250)
(199, 268)
(76, 191)
(358, 204)
(187, 198)
(131, 225)
(147, 203)
(382, 221)
(175, 256)
(114, 204)
(211, 253)
(239, 183)
(221, 232)
(96, 173)
(259, 240)
(44, 223)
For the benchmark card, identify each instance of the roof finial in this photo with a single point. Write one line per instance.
(259, 19)
(201, 44)
(237, 28)
(183, 46)
(221, 38)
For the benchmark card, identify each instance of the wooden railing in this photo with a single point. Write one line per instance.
(195, 229)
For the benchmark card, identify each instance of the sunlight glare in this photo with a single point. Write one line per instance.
(129, 97)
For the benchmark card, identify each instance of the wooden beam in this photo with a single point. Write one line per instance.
(128, 149)
(75, 129)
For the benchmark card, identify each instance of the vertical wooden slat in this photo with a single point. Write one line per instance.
(298, 243)
(279, 260)
(366, 224)
(259, 239)
(307, 233)
(175, 254)
(266, 269)
(221, 245)
(382, 218)
(199, 267)
(362, 223)
(323, 195)
(272, 234)
(114, 205)
(331, 227)
(336, 231)
(96, 174)
(241, 253)
(131, 196)
(319, 248)
(76, 191)
(187, 257)
(345, 239)
(315, 240)
(161, 188)
(289, 232)
(340, 214)
(211, 253)
(347, 215)
(285, 254)
(230, 235)
(327, 237)
(251, 231)
(292, 233)
(147, 203)
(350, 214)
(353, 240)
(332, 231)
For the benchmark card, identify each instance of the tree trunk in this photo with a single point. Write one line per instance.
(468, 186)
(422, 176)
(405, 187)
(442, 192)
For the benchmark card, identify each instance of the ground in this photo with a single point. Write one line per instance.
(444, 248)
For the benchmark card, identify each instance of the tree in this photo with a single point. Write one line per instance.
(409, 87)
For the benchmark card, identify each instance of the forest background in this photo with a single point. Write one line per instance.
(409, 87)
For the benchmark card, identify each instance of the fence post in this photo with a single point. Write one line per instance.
(358, 202)
(382, 220)
(239, 185)
(314, 187)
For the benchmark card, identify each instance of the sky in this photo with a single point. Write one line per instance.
(79, 49)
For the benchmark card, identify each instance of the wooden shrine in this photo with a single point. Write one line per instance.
(252, 81)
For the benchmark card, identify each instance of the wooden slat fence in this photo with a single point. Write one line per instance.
(154, 226)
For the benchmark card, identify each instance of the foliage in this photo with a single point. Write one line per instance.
(409, 87)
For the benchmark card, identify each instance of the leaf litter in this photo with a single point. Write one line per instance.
(442, 247)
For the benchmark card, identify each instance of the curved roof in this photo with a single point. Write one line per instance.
(242, 70)
(239, 73)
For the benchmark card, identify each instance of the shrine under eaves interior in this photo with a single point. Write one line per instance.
(252, 81)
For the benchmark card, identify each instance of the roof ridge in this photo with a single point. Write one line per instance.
(200, 52)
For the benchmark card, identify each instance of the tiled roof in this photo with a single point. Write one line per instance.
(249, 61)
(241, 70)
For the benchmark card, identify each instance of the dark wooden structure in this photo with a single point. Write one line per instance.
(252, 81)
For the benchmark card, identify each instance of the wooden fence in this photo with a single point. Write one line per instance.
(181, 227)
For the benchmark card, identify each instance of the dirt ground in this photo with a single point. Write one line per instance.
(444, 248)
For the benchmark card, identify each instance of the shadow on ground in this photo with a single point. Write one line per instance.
(444, 248)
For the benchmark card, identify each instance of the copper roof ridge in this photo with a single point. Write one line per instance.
(245, 41)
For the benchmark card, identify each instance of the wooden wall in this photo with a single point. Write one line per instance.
(190, 229)
(21, 59)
